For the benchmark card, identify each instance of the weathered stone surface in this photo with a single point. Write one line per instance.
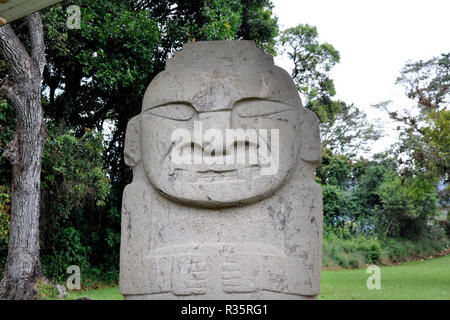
(211, 230)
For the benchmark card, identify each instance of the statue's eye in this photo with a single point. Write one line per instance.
(174, 111)
(258, 108)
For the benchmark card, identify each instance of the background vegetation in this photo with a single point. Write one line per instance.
(380, 208)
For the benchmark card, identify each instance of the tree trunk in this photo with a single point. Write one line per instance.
(23, 265)
(22, 87)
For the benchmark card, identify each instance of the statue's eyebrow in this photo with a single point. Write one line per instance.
(233, 105)
(187, 103)
(258, 99)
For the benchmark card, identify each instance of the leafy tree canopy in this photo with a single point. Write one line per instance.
(312, 64)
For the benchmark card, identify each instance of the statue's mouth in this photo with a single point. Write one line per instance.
(216, 174)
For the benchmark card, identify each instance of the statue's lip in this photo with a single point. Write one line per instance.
(217, 174)
(216, 168)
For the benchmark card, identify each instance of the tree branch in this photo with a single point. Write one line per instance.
(15, 54)
(37, 40)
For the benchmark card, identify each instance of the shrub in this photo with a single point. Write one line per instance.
(360, 251)
(75, 186)
(5, 208)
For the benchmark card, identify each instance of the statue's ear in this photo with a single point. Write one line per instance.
(310, 148)
(132, 149)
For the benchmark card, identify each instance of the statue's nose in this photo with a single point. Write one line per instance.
(214, 126)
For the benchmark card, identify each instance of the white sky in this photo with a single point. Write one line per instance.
(374, 39)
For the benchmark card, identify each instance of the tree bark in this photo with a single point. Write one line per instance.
(22, 87)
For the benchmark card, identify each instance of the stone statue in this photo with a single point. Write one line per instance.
(202, 221)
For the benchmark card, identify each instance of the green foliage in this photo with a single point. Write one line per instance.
(5, 208)
(6, 134)
(7, 126)
(371, 198)
(358, 251)
(445, 224)
(313, 62)
(5, 211)
(350, 253)
(73, 169)
(102, 59)
(221, 20)
(370, 178)
(338, 208)
(74, 187)
(428, 82)
(258, 24)
(348, 132)
(398, 250)
(335, 169)
(423, 149)
(408, 205)
(237, 19)
(334, 175)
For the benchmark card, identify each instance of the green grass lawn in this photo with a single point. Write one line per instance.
(429, 279)
(111, 293)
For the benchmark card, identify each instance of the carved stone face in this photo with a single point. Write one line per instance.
(220, 129)
(204, 97)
